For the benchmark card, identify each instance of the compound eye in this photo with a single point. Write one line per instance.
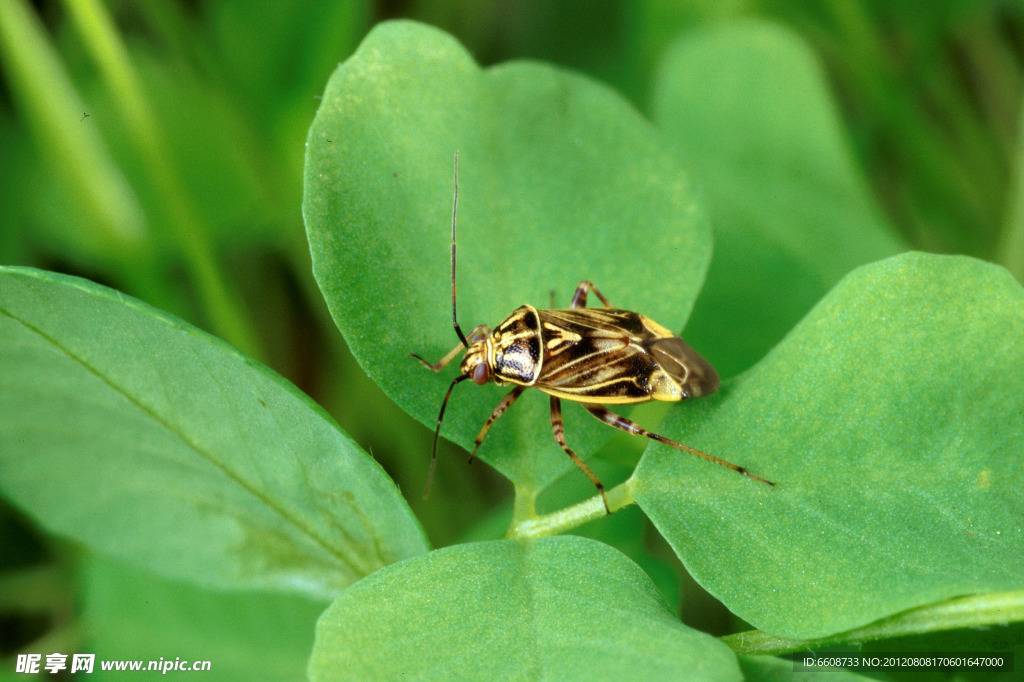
(481, 374)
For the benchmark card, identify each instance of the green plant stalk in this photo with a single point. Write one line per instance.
(524, 505)
(1010, 252)
(113, 227)
(976, 144)
(53, 109)
(532, 526)
(993, 61)
(998, 608)
(189, 230)
(938, 164)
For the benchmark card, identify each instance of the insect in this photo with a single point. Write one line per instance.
(593, 356)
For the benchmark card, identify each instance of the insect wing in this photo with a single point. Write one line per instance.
(597, 355)
(693, 373)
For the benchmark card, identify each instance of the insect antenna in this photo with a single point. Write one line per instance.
(437, 432)
(458, 330)
(455, 207)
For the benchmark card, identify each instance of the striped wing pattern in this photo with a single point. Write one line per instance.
(602, 355)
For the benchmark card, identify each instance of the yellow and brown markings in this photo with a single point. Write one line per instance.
(518, 352)
(592, 356)
(558, 339)
(602, 355)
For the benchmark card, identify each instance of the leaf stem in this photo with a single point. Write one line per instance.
(524, 506)
(993, 608)
(533, 526)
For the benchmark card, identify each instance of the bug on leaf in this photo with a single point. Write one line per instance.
(593, 356)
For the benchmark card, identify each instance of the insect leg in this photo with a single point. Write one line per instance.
(620, 422)
(509, 398)
(559, 429)
(478, 334)
(437, 366)
(579, 299)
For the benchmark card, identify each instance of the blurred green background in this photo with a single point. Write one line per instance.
(158, 147)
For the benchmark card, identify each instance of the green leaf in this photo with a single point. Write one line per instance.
(892, 421)
(749, 109)
(555, 608)
(150, 441)
(560, 180)
(128, 615)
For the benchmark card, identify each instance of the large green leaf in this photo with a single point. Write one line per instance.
(150, 441)
(560, 180)
(129, 615)
(749, 109)
(555, 608)
(892, 421)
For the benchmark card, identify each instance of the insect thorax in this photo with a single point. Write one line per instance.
(516, 345)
